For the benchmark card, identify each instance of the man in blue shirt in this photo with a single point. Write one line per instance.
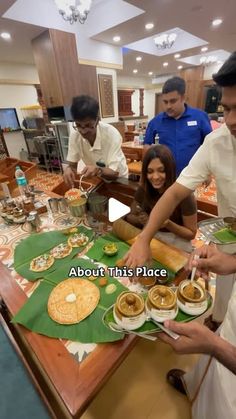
(179, 127)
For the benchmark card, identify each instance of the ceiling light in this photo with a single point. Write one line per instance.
(165, 64)
(138, 58)
(135, 70)
(217, 22)
(150, 73)
(71, 11)
(5, 35)
(204, 49)
(166, 40)
(177, 55)
(149, 26)
(180, 67)
(116, 38)
(208, 60)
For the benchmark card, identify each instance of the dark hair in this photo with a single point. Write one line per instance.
(84, 107)
(164, 154)
(226, 76)
(175, 83)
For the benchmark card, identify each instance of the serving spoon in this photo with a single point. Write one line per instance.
(169, 332)
(116, 328)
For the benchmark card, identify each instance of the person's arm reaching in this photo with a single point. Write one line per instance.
(187, 231)
(139, 253)
(69, 173)
(196, 338)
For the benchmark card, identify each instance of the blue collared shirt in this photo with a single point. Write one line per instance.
(183, 135)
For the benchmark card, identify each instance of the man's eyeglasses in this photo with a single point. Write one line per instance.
(81, 127)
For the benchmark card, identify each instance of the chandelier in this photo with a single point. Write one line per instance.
(166, 40)
(71, 12)
(211, 59)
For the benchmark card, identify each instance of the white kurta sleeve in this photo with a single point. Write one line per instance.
(115, 156)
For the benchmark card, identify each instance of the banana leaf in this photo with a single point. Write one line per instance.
(37, 244)
(34, 316)
(96, 253)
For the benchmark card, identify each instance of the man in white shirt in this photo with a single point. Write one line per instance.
(97, 144)
(211, 386)
(217, 157)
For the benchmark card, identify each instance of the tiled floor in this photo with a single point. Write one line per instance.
(138, 389)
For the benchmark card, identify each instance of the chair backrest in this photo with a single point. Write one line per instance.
(120, 126)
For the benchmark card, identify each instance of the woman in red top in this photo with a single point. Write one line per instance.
(158, 173)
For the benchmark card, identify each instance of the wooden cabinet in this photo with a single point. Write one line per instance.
(60, 74)
(125, 103)
(193, 78)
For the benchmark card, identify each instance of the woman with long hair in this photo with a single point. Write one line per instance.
(158, 174)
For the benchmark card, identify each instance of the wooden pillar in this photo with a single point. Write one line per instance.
(141, 95)
(42, 103)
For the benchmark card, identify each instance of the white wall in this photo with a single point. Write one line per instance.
(209, 70)
(16, 96)
(112, 73)
(20, 72)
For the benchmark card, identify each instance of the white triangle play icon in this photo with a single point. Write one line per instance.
(116, 209)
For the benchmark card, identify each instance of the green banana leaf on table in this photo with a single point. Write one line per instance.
(34, 315)
(96, 253)
(37, 244)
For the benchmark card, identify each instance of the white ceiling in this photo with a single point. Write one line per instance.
(190, 19)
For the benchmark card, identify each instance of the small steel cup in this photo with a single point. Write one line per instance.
(78, 207)
(53, 204)
(63, 205)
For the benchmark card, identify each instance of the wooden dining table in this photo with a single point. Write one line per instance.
(66, 374)
(133, 151)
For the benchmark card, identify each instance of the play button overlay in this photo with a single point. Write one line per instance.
(116, 209)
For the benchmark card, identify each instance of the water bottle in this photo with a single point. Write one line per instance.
(156, 140)
(140, 138)
(21, 180)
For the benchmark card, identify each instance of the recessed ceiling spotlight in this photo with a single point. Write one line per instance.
(177, 55)
(138, 58)
(116, 38)
(217, 22)
(5, 35)
(180, 67)
(149, 26)
(204, 49)
(150, 73)
(165, 64)
(135, 70)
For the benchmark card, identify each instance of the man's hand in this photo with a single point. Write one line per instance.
(69, 176)
(212, 260)
(90, 171)
(194, 338)
(138, 255)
